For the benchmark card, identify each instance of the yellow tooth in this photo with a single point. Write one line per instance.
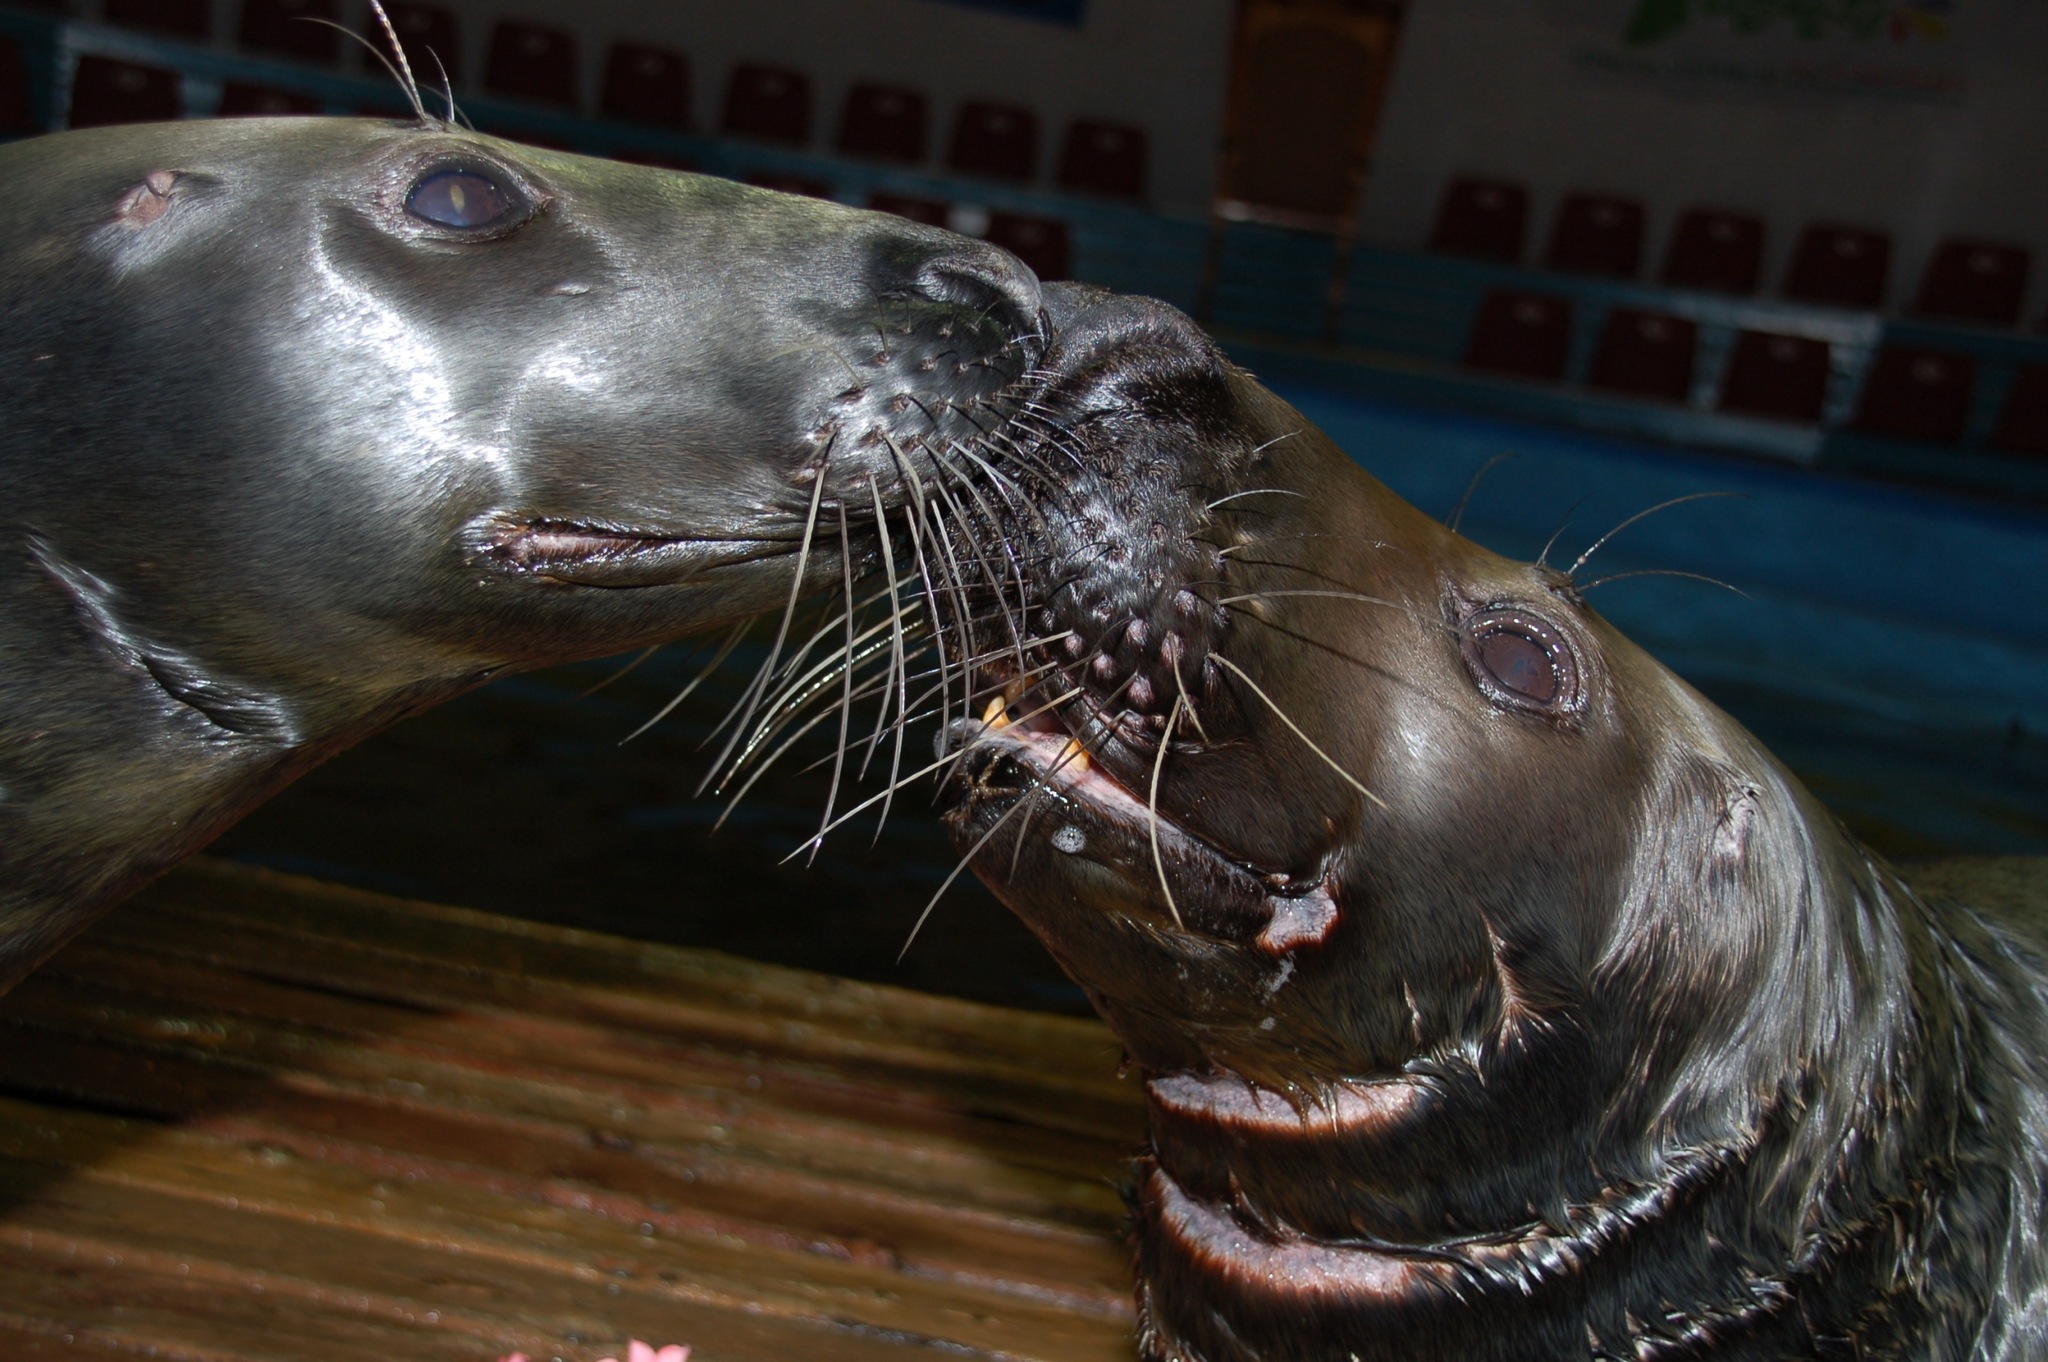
(1015, 691)
(1074, 757)
(993, 715)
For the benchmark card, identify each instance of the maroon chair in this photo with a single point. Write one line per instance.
(1104, 158)
(931, 212)
(1975, 281)
(17, 112)
(1917, 395)
(1595, 234)
(1782, 377)
(1645, 354)
(1044, 244)
(532, 62)
(790, 184)
(883, 123)
(768, 104)
(999, 141)
(1527, 335)
(1715, 251)
(240, 99)
(431, 37)
(105, 91)
(2023, 420)
(185, 18)
(646, 85)
(284, 26)
(1481, 219)
(1841, 266)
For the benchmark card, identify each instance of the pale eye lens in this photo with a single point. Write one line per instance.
(1519, 664)
(458, 198)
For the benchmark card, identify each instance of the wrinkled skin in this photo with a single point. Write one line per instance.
(1585, 1033)
(293, 452)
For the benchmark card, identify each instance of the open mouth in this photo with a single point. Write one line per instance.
(1019, 750)
(597, 554)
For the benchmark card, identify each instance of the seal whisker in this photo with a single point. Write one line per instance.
(621, 673)
(1255, 492)
(1457, 517)
(732, 641)
(1662, 572)
(1282, 715)
(1152, 810)
(1563, 522)
(402, 73)
(1583, 558)
(845, 672)
(972, 852)
(898, 662)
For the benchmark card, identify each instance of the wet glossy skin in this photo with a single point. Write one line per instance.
(1496, 996)
(313, 423)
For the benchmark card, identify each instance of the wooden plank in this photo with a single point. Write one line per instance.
(255, 1118)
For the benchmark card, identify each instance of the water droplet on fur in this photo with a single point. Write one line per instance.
(1070, 839)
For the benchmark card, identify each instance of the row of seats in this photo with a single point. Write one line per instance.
(652, 85)
(1983, 282)
(1908, 393)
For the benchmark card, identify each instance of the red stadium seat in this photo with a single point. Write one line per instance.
(2023, 421)
(931, 212)
(285, 26)
(106, 91)
(1527, 335)
(1917, 395)
(995, 140)
(241, 99)
(532, 62)
(767, 103)
(1645, 354)
(791, 184)
(17, 113)
(1715, 251)
(431, 37)
(1782, 377)
(1104, 158)
(1044, 244)
(1597, 235)
(185, 18)
(1482, 219)
(1841, 266)
(1975, 281)
(647, 85)
(883, 123)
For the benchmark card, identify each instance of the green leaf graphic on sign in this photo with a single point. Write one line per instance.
(1655, 20)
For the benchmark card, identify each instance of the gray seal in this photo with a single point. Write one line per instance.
(1496, 996)
(312, 423)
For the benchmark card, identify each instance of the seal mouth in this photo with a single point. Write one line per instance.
(595, 553)
(1010, 766)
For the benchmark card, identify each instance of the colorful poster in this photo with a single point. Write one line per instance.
(1069, 12)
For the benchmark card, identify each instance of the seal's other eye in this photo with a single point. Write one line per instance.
(1521, 660)
(459, 198)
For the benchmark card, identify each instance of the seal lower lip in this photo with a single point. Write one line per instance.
(585, 554)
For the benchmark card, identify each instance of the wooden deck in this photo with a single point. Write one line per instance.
(252, 1118)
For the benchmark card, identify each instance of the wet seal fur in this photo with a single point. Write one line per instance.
(313, 423)
(1495, 995)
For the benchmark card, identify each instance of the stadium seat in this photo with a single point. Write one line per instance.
(1974, 281)
(1917, 395)
(1645, 354)
(1715, 251)
(105, 91)
(432, 38)
(532, 62)
(185, 18)
(239, 99)
(1840, 266)
(1527, 335)
(1044, 244)
(931, 212)
(1594, 234)
(767, 103)
(1782, 377)
(287, 27)
(1481, 219)
(647, 85)
(998, 141)
(1103, 158)
(2023, 420)
(883, 123)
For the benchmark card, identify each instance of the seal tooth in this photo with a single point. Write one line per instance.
(993, 715)
(1074, 757)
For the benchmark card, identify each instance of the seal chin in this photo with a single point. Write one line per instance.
(594, 553)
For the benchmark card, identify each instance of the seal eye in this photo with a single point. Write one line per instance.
(463, 199)
(1521, 660)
